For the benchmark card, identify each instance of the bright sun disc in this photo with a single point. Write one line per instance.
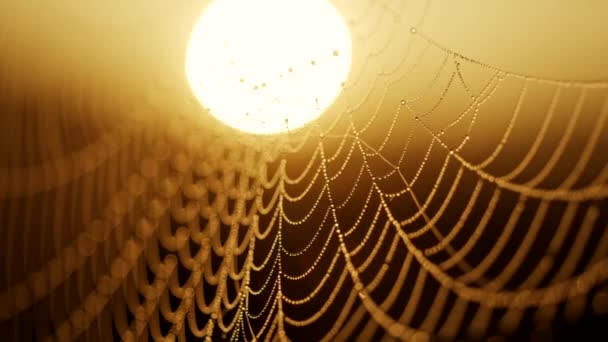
(268, 66)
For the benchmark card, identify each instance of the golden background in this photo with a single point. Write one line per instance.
(111, 175)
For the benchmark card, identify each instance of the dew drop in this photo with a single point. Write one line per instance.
(413, 30)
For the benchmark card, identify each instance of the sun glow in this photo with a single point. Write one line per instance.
(268, 66)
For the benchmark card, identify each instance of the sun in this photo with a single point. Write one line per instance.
(268, 66)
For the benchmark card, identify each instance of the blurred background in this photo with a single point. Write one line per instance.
(456, 190)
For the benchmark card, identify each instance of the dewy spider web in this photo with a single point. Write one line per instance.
(387, 219)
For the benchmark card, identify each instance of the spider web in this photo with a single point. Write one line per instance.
(445, 198)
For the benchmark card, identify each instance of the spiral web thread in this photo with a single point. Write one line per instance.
(219, 237)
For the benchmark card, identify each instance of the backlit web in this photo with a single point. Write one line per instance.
(440, 198)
